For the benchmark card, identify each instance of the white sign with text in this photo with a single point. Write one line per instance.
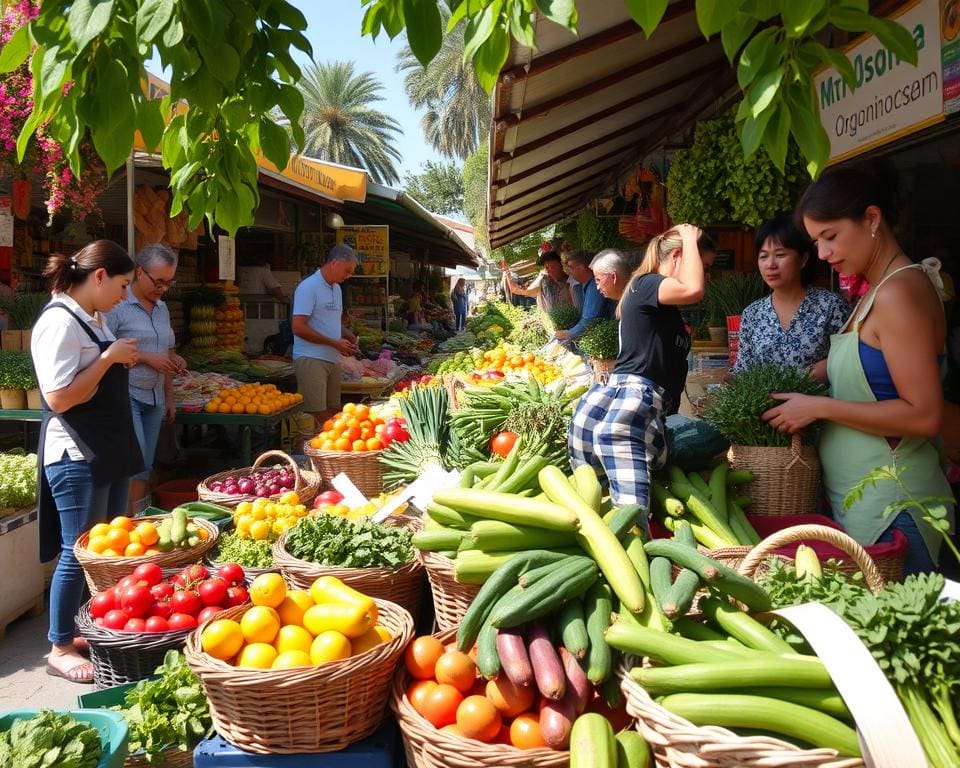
(227, 251)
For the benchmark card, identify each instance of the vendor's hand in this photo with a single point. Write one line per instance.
(346, 347)
(159, 362)
(122, 351)
(179, 362)
(170, 411)
(562, 335)
(795, 412)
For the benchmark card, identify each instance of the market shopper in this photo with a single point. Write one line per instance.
(618, 427)
(549, 288)
(884, 368)
(611, 270)
(143, 315)
(320, 333)
(458, 298)
(593, 304)
(88, 447)
(793, 325)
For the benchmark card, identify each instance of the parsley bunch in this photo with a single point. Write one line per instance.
(336, 541)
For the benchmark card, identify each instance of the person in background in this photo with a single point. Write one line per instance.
(885, 405)
(611, 270)
(320, 335)
(793, 325)
(458, 298)
(593, 304)
(143, 315)
(416, 314)
(259, 280)
(549, 288)
(618, 427)
(88, 448)
(708, 253)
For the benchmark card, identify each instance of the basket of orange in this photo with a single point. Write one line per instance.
(110, 551)
(350, 442)
(299, 670)
(252, 399)
(261, 481)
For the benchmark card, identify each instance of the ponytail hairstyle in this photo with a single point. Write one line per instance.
(62, 272)
(658, 251)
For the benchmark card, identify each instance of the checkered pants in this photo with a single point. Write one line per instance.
(618, 429)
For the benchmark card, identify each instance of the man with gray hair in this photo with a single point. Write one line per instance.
(319, 333)
(611, 270)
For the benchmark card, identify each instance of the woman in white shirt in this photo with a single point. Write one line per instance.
(88, 449)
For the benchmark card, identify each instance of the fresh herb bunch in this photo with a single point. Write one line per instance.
(336, 541)
(563, 316)
(23, 309)
(18, 480)
(529, 334)
(170, 711)
(425, 412)
(601, 340)
(736, 406)
(249, 553)
(729, 296)
(50, 739)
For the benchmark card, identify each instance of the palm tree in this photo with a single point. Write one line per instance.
(340, 123)
(457, 115)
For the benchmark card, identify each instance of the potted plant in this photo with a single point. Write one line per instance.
(786, 469)
(727, 297)
(13, 395)
(601, 344)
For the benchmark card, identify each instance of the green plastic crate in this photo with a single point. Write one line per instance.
(112, 728)
(107, 697)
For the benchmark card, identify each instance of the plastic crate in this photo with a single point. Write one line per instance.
(107, 697)
(112, 727)
(377, 751)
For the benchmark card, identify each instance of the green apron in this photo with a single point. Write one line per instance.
(848, 455)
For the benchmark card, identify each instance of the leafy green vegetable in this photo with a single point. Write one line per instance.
(231, 548)
(18, 480)
(601, 340)
(50, 740)
(733, 294)
(168, 712)
(336, 541)
(563, 316)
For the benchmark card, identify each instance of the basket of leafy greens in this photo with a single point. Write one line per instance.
(601, 343)
(84, 738)
(255, 557)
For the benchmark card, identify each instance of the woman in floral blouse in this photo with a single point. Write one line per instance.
(792, 326)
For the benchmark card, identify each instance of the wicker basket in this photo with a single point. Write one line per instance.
(125, 657)
(307, 482)
(172, 758)
(429, 747)
(602, 369)
(403, 586)
(313, 709)
(364, 468)
(450, 598)
(103, 572)
(249, 573)
(787, 479)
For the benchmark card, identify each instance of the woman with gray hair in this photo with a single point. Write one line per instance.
(611, 271)
(144, 316)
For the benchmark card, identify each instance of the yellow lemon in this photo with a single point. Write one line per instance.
(259, 530)
(290, 497)
(329, 646)
(244, 508)
(268, 589)
(222, 639)
(384, 633)
(257, 655)
(291, 660)
(293, 606)
(369, 639)
(293, 638)
(260, 624)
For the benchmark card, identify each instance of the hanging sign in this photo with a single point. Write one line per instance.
(372, 244)
(950, 54)
(227, 252)
(892, 99)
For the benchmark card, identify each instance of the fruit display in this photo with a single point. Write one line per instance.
(128, 537)
(203, 326)
(263, 399)
(289, 628)
(229, 324)
(331, 503)
(262, 519)
(420, 379)
(508, 358)
(145, 601)
(357, 428)
(193, 389)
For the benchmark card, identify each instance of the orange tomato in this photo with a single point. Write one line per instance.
(366, 433)
(328, 445)
(441, 705)
(418, 691)
(374, 444)
(341, 444)
(358, 445)
(478, 718)
(456, 669)
(349, 407)
(352, 434)
(118, 538)
(361, 411)
(525, 732)
(328, 425)
(509, 699)
(134, 550)
(421, 656)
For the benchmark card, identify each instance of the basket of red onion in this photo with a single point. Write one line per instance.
(262, 480)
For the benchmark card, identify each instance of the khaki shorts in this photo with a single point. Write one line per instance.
(319, 383)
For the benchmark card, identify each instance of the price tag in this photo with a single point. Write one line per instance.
(227, 253)
(434, 479)
(352, 496)
(951, 591)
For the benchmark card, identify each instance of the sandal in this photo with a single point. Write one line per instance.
(81, 673)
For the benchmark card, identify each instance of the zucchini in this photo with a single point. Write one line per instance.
(609, 689)
(783, 717)
(704, 511)
(588, 486)
(495, 536)
(663, 646)
(699, 484)
(695, 630)
(679, 596)
(746, 533)
(661, 575)
(597, 608)
(825, 700)
(437, 541)
(488, 658)
(683, 532)
(718, 489)
(740, 477)
(632, 750)
(701, 533)
(573, 628)
(742, 626)
(569, 580)
(762, 671)
(507, 467)
(666, 500)
(524, 476)
(178, 526)
(622, 520)
(450, 517)
(205, 509)
(592, 744)
(651, 615)
(508, 507)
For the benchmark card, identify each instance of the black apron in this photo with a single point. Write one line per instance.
(102, 429)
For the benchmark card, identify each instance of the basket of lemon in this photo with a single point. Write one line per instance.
(299, 671)
(260, 481)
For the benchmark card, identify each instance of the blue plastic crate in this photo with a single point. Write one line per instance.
(377, 751)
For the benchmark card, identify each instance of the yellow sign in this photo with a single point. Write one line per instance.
(372, 244)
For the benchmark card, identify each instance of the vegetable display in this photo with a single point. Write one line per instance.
(127, 537)
(18, 480)
(601, 340)
(563, 316)
(232, 547)
(424, 443)
(50, 739)
(336, 541)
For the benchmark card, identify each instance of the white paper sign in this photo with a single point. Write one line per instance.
(352, 497)
(951, 591)
(6, 227)
(228, 257)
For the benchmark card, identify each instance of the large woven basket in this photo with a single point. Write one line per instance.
(602, 369)
(403, 585)
(172, 758)
(307, 483)
(125, 657)
(429, 747)
(310, 709)
(363, 468)
(103, 572)
(787, 479)
(450, 598)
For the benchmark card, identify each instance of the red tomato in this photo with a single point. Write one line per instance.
(208, 613)
(195, 572)
(236, 596)
(231, 573)
(124, 583)
(136, 601)
(115, 619)
(148, 572)
(395, 433)
(212, 591)
(157, 624)
(181, 621)
(162, 591)
(502, 443)
(161, 608)
(329, 497)
(185, 602)
(135, 625)
(102, 603)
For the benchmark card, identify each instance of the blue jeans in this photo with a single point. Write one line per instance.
(147, 420)
(81, 504)
(918, 557)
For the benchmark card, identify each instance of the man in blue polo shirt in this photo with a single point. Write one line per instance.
(319, 335)
(593, 304)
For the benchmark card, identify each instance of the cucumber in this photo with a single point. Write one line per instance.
(651, 616)
(598, 607)
(740, 525)
(694, 630)
(758, 670)
(683, 532)
(588, 486)
(623, 519)
(742, 626)
(666, 500)
(573, 628)
(488, 658)
(507, 467)
(525, 476)
(699, 484)
(178, 527)
(508, 507)
(568, 581)
(450, 517)
(495, 536)
(661, 579)
(679, 597)
(740, 477)
(592, 744)
(633, 751)
(534, 575)
(718, 488)
(437, 541)
(609, 689)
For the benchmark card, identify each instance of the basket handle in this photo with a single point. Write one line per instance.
(298, 479)
(799, 533)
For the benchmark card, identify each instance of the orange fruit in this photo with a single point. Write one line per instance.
(508, 698)
(361, 411)
(440, 705)
(525, 732)
(118, 538)
(291, 660)
(122, 521)
(222, 639)
(374, 444)
(148, 534)
(421, 656)
(478, 718)
(293, 637)
(268, 589)
(293, 605)
(134, 536)
(456, 669)
(417, 692)
(134, 549)
(260, 624)
(352, 434)
(257, 655)
(100, 529)
(359, 445)
(110, 552)
(224, 408)
(328, 425)
(97, 544)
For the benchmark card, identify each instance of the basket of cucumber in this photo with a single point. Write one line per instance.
(182, 538)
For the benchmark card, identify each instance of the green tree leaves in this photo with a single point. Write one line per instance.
(438, 187)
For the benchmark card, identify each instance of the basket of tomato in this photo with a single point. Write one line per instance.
(132, 624)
